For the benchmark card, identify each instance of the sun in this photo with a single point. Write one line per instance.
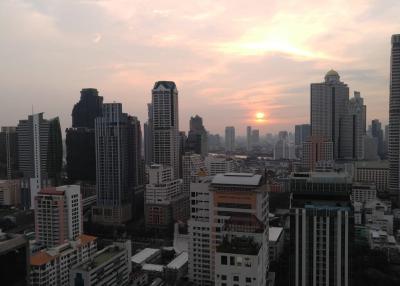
(260, 115)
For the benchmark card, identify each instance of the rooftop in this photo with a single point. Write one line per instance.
(153, 267)
(245, 179)
(239, 245)
(275, 233)
(166, 84)
(142, 256)
(51, 191)
(179, 261)
(40, 258)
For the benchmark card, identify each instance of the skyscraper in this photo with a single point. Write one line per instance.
(115, 164)
(39, 154)
(321, 229)
(229, 139)
(80, 139)
(248, 138)
(394, 118)
(148, 137)
(58, 215)
(301, 133)
(255, 137)
(165, 122)
(329, 101)
(197, 140)
(8, 153)
(377, 133)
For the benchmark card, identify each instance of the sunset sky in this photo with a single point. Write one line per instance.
(230, 59)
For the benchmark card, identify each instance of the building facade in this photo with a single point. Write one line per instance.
(229, 139)
(8, 153)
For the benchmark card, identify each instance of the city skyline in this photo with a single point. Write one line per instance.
(226, 60)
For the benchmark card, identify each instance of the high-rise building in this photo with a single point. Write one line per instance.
(377, 133)
(321, 229)
(110, 266)
(316, 150)
(197, 140)
(248, 138)
(80, 139)
(117, 153)
(329, 101)
(228, 230)
(87, 109)
(165, 122)
(255, 137)
(58, 215)
(193, 166)
(8, 153)
(14, 259)
(214, 142)
(148, 136)
(229, 139)
(281, 148)
(39, 154)
(394, 119)
(165, 202)
(301, 133)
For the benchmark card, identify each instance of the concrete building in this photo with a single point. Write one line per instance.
(276, 241)
(58, 215)
(165, 121)
(8, 153)
(197, 140)
(315, 150)
(110, 266)
(230, 139)
(394, 119)
(376, 172)
(14, 259)
(52, 266)
(118, 172)
(378, 216)
(10, 192)
(249, 143)
(228, 230)
(255, 137)
(377, 134)
(321, 228)
(370, 148)
(39, 154)
(148, 136)
(193, 166)
(363, 192)
(329, 101)
(219, 164)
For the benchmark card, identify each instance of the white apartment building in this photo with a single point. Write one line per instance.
(52, 266)
(58, 215)
(110, 266)
(219, 164)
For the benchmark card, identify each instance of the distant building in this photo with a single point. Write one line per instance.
(249, 142)
(110, 266)
(315, 150)
(197, 140)
(219, 164)
(214, 142)
(229, 139)
(377, 133)
(193, 166)
(52, 266)
(165, 121)
(302, 133)
(321, 228)
(8, 153)
(376, 172)
(14, 259)
(39, 154)
(10, 193)
(255, 137)
(363, 192)
(148, 136)
(58, 215)
(281, 148)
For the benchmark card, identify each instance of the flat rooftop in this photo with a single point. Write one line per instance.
(179, 261)
(142, 256)
(275, 233)
(244, 179)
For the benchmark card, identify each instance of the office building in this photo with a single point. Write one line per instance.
(249, 143)
(301, 133)
(165, 202)
(377, 134)
(8, 153)
(394, 119)
(14, 259)
(255, 137)
(165, 122)
(219, 164)
(193, 167)
(376, 172)
(39, 154)
(10, 193)
(87, 109)
(58, 215)
(329, 101)
(321, 229)
(52, 266)
(110, 266)
(314, 151)
(370, 148)
(197, 140)
(214, 142)
(228, 230)
(148, 136)
(229, 139)
(116, 164)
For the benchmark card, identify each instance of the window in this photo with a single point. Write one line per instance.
(248, 280)
(223, 277)
(236, 278)
(224, 260)
(232, 260)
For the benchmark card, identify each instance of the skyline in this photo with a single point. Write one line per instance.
(226, 58)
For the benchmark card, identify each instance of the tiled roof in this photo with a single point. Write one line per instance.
(40, 258)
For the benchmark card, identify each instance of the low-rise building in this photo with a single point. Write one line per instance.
(110, 266)
(363, 192)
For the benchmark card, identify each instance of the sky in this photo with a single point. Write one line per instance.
(229, 59)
